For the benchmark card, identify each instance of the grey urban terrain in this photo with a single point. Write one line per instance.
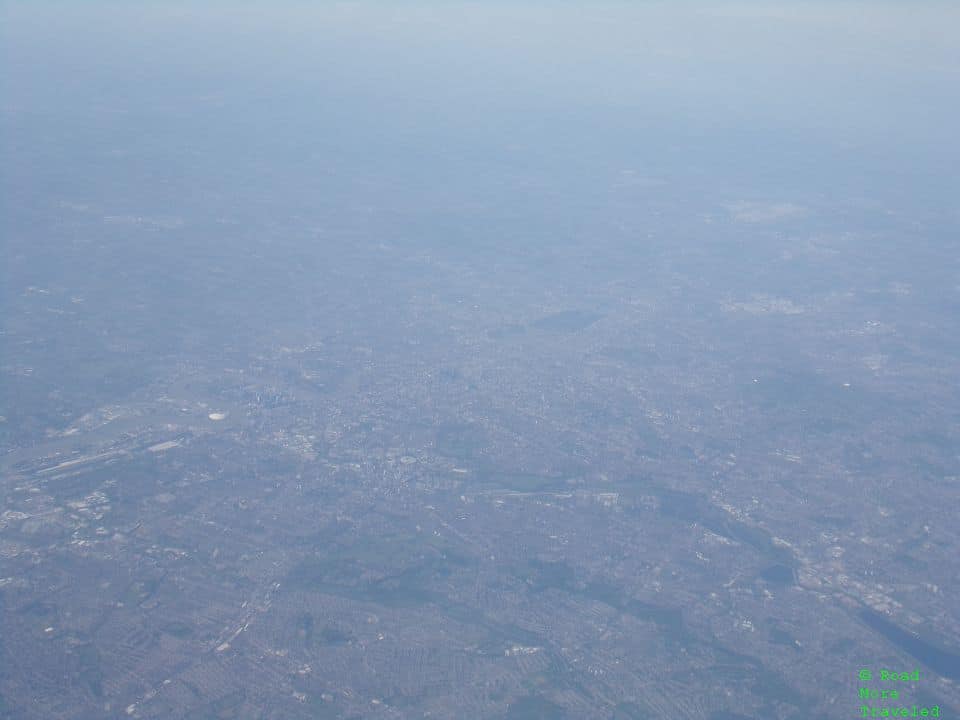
(508, 360)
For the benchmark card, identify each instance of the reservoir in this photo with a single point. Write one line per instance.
(941, 661)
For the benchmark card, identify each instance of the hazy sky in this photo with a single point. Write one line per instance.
(852, 98)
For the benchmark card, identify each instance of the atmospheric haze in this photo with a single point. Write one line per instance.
(575, 360)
